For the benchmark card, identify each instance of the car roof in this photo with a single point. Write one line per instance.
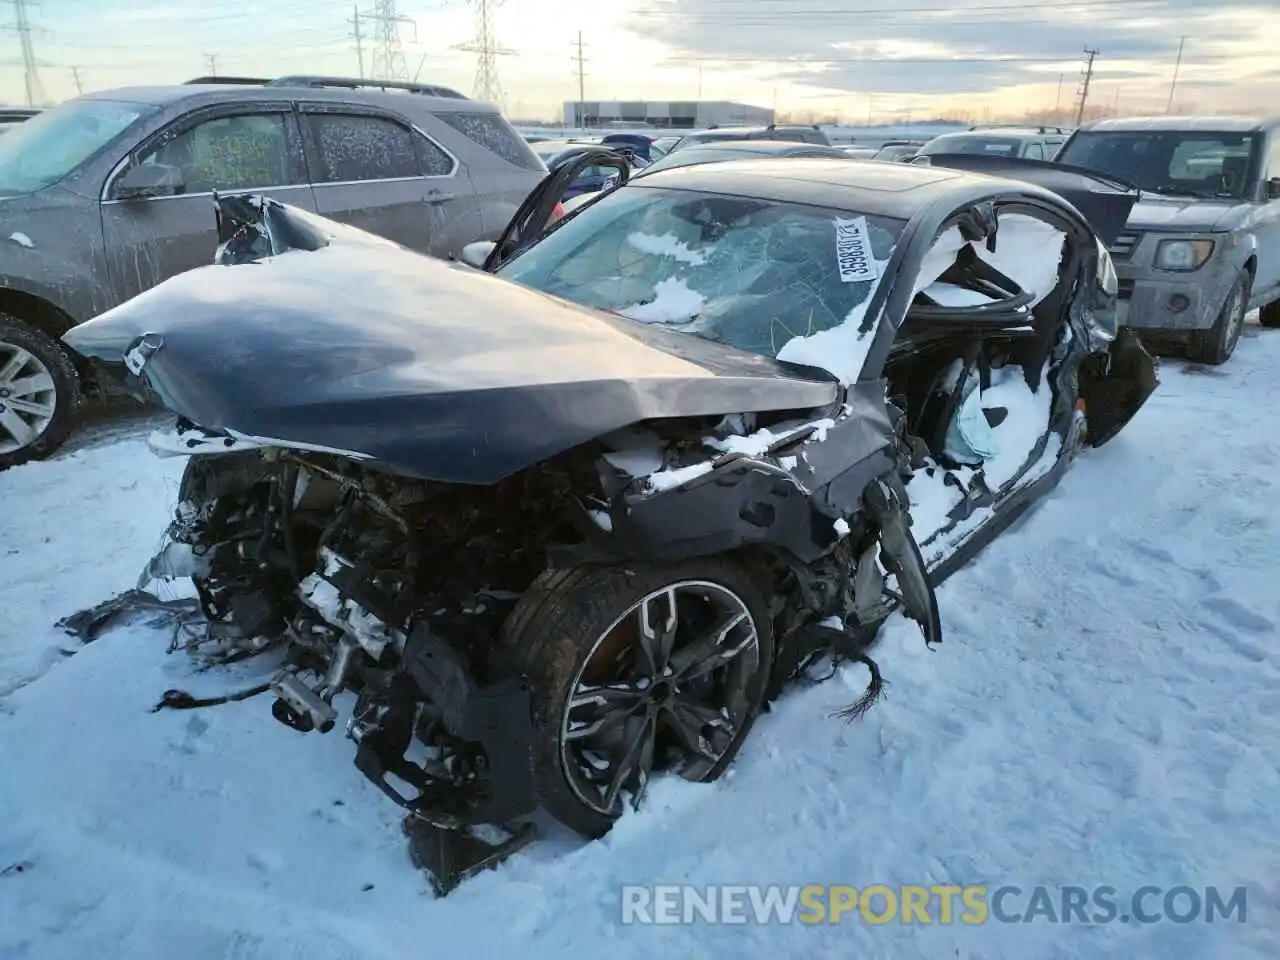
(753, 146)
(1231, 124)
(889, 190)
(211, 93)
(998, 133)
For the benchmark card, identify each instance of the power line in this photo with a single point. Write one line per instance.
(30, 65)
(1177, 64)
(1084, 89)
(211, 61)
(485, 46)
(388, 52)
(578, 59)
(355, 28)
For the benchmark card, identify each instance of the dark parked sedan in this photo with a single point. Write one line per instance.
(572, 525)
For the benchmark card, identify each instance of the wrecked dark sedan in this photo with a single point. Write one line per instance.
(546, 530)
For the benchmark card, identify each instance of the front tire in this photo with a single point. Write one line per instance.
(39, 393)
(636, 671)
(1216, 345)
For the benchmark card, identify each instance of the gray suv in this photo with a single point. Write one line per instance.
(106, 195)
(1202, 247)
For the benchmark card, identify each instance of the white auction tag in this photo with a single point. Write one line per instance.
(853, 251)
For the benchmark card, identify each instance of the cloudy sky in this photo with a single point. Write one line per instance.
(856, 58)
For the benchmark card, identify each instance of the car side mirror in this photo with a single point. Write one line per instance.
(1273, 188)
(475, 254)
(149, 180)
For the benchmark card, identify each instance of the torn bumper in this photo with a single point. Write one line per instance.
(1114, 385)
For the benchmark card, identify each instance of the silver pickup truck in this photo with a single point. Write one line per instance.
(1202, 246)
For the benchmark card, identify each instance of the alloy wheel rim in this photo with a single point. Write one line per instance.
(665, 687)
(28, 398)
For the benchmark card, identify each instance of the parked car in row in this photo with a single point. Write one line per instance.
(798, 133)
(898, 151)
(578, 521)
(999, 140)
(1202, 248)
(715, 152)
(107, 195)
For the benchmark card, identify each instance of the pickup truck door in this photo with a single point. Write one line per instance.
(240, 148)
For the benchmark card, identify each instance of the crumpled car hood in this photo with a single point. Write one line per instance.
(1178, 213)
(434, 369)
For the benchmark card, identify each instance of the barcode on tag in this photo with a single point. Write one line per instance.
(853, 251)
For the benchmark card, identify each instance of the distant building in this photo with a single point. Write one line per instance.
(675, 114)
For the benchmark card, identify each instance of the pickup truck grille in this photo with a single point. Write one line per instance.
(1123, 247)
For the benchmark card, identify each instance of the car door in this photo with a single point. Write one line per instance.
(374, 171)
(243, 147)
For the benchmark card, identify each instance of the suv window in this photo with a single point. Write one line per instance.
(495, 135)
(245, 152)
(1181, 163)
(1034, 151)
(1273, 158)
(356, 148)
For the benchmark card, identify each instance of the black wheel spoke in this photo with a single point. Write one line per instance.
(613, 704)
(632, 768)
(713, 650)
(689, 722)
(659, 619)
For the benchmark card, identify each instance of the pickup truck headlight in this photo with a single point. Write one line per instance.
(1183, 255)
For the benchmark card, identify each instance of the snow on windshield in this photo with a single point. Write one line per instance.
(786, 281)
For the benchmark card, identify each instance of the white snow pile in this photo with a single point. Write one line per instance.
(1028, 252)
(752, 443)
(1104, 711)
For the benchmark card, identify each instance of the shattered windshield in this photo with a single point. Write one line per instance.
(1182, 163)
(44, 149)
(753, 274)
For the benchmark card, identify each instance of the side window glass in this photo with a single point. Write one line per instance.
(495, 135)
(1273, 156)
(435, 162)
(1034, 151)
(229, 153)
(353, 148)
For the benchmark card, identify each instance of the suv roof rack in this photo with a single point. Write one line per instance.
(347, 83)
(1037, 127)
(791, 126)
(231, 81)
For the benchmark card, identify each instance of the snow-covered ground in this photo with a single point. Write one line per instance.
(1105, 710)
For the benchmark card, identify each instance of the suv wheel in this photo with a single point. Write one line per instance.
(39, 393)
(1215, 345)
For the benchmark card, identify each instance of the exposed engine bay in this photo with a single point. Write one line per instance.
(397, 590)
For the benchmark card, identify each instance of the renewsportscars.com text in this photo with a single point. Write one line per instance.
(940, 904)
